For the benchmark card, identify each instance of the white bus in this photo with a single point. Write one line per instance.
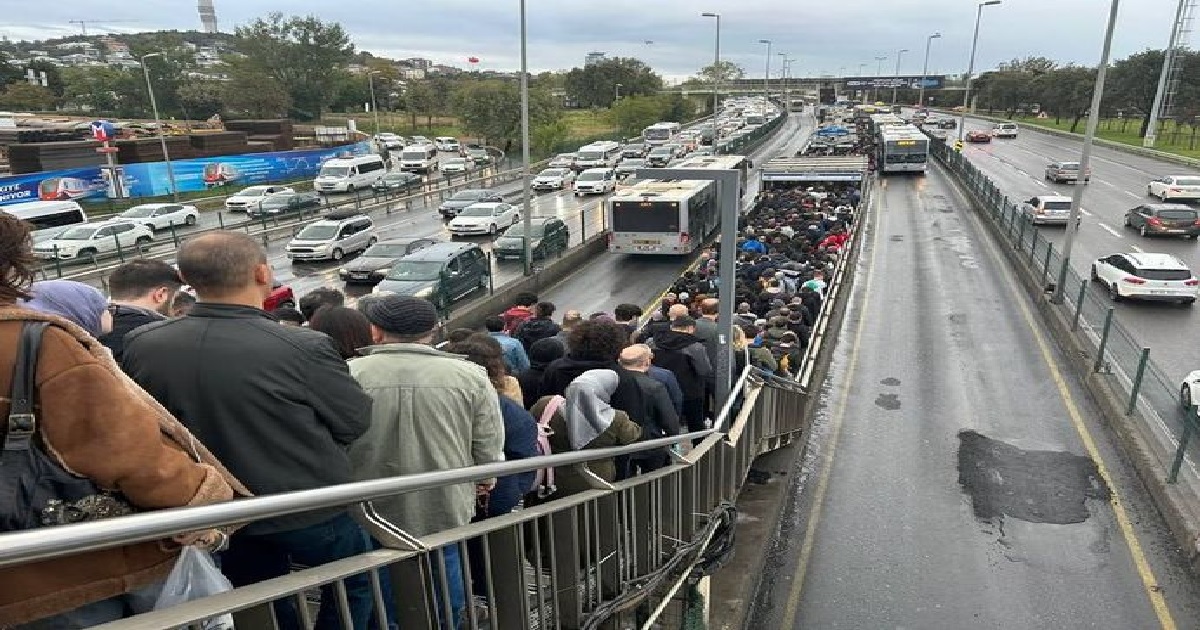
(601, 154)
(670, 217)
(661, 133)
(902, 149)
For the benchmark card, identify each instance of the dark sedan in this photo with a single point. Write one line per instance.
(1164, 219)
(399, 182)
(285, 203)
(463, 198)
(373, 264)
(550, 235)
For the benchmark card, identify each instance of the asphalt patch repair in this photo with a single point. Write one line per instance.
(1034, 486)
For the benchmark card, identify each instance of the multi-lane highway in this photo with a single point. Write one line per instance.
(1118, 183)
(944, 489)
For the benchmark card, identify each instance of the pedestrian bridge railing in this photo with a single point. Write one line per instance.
(613, 556)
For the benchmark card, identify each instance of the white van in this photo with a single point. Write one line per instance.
(448, 144)
(348, 174)
(1004, 130)
(598, 155)
(419, 158)
(47, 214)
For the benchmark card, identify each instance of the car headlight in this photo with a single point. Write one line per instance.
(384, 269)
(424, 293)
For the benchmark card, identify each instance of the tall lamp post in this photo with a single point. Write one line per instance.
(899, 54)
(374, 107)
(962, 119)
(162, 138)
(526, 193)
(767, 73)
(925, 69)
(785, 73)
(716, 62)
(878, 73)
(1085, 155)
(617, 96)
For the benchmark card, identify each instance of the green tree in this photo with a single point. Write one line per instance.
(351, 92)
(25, 97)
(492, 109)
(420, 99)
(54, 78)
(725, 71)
(1066, 92)
(545, 139)
(1133, 81)
(596, 85)
(300, 54)
(108, 91)
(203, 98)
(253, 95)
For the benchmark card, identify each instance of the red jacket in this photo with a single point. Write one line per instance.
(514, 316)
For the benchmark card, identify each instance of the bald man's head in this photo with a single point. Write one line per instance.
(677, 310)
(223, 263)
(636, 357)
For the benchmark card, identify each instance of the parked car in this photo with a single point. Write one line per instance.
(161, 216)
(548, 235)
(1146, 276)
(286, 203)
(443, 274)
(377, 260)
(332, 238)
(484, 218)
(554, 179)
(281, 295)
(1174, 187)
(979, 136)
(1167, 219)
(457, 166)
(1066, 172)
(463, 198)
(1047, 209)
(94, 240)
(399, 181)
(595, 181)
(249, 197)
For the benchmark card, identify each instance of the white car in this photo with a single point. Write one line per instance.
(1189, 390)
(484, 218)
(94, 240)
(457, 165)
(1158, 277)
(252, 196)
(595, 181)
(1175, 187)
(554, 179)
(419, 140)
(390, 140)
(160, 216)
(448, 144)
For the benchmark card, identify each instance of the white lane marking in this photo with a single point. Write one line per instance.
(1137, 249)
(1108, 229)
(1135, 196)
(1085, 212)
(1039, 182)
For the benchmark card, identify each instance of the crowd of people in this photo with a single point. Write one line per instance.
(154, 400)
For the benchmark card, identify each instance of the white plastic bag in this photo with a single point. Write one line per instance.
(195, 576)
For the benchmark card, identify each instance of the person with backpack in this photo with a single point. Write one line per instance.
(538, 327)
(681, 352)
(521, 310)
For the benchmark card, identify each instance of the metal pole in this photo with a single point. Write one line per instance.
(899, 55)
(1103, 340)
(962, 119)
(1079, 304)
(1160, 92)
(767, 73)
(162, 139)
(1089, 138)
(526, 192)
(925, 69)
(374, 107)
(716, 62)
(1173, 476)
(1137, 381)
(878, 73)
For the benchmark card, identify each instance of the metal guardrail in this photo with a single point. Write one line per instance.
(1151, 397)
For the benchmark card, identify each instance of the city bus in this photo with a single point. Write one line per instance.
(902, 149)
(661, 133)
(670, 217)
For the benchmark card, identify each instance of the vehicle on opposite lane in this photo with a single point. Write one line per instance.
(399, 181)
(595, 181)
(378, 259)
(160, 216)
(1004, 130)
(1164, 219)
(94, 240)
(1059, 172)
(251, 196)
(490, 217)
(1047, 209)
(286, 203)
(1146, 276)
(980, 137)
(333, 237)
(458, 165)
(553, 179)
(1174, 187)
(463, 198)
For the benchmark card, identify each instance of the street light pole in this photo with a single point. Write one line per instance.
(962, 119)
(878, 73)
(716, 63)
(787, 69)
(925, 69)
(767, 73)
(162, 138)
(374, 108)
(1085, 156)
(617, 97)
(526, 193)
(899, 54)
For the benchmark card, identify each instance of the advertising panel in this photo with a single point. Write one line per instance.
(149, 179)
(932, 82)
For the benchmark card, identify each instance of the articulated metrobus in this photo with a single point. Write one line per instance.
(902, 149)
(670, 217)
(661, 133)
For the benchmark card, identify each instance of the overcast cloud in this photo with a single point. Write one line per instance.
(827, 37)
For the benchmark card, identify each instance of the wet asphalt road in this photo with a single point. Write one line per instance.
(948, 485)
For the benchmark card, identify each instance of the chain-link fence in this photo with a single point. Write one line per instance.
(1150, 396)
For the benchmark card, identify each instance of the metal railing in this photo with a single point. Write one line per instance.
(1151, 398)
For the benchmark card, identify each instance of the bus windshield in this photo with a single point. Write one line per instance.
(645, 216)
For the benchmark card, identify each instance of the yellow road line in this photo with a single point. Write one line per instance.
(1145, 572)
(838, 419)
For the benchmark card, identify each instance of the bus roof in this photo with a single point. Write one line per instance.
(712, 161)
(662, 190)
(849, 168)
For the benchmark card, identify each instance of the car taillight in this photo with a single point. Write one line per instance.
(1154, 221)
(1133, 280)
(1191, 283)
(684, 238)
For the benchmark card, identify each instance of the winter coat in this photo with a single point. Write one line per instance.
(560, 373)
(520, 442)
(125, 320)
(684, 355)
(532, 330)
(514, 316)
(570, 479)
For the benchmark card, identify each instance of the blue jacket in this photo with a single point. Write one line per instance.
(754, 246)
(666, 377)
(515, 358)
(520, 442)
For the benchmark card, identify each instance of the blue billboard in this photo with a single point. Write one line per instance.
(150, 179)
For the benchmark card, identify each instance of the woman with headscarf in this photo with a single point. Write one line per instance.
(75, 301)
(585, 419)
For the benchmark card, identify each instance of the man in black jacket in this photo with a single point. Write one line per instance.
(275, 404)
(681, 352)
(660, 420)
(142, 292)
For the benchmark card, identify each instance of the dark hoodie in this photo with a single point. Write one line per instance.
(533, 330)
(541, 354)
(125, 319)
(684, 355)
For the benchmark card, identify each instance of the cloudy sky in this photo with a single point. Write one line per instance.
(827, 37)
